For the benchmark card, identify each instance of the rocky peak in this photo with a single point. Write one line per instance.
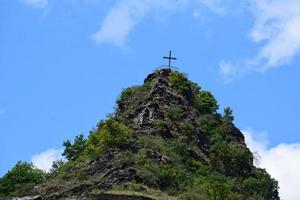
(173, 141)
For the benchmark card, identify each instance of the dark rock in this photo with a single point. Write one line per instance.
(121, 197)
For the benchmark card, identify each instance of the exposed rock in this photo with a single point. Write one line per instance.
(37, 197)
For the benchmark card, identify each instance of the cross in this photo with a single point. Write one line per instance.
(170, 58)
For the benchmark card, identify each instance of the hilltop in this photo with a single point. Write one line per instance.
(165, 140)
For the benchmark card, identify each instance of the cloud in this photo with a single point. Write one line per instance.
(277, 32)
(36, 3)
(281, 161)
(126, 14)
(45, 159)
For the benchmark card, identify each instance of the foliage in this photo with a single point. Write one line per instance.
(73, 151)
(195, 192)
(227, 116)
(231, 159)
(205, 102)
(261, 186)
(20, 179)
(56, 168)
(110, 133)
(160, 126)
(187, 128)
(221, 188)
(182, 84)
(174, 113)
(125, 94)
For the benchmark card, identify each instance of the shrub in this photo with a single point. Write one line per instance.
(227, 116)
(182, 84)
(110, 133)
(126, 94)
(73, 151)
(261, 185)
(171, 176)
(231, 159)
(20, 179)
(56, 168)
(205, 102)
(175, 113)
(187, 128)
(160, 126)
(195, 192)
(221, 188)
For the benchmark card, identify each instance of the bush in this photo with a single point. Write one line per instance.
(261, 185)
(20, 180)
(175, 113)
(73, 151)
(56, 168)
(205, 102)
(231, 159)
(160, 126)
(110, 133)
(182, 84)
(221, 188)
(195, 192)
(126, 94)
(227, 116)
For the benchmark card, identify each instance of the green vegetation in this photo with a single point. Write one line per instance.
(175, 113)
(183, 85)
(20, 180)
(73, 151)
(110, 133)
(205, 102)
(166, 141)
(227, 116)
(231, 159)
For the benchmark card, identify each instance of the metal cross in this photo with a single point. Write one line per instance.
(170, 58)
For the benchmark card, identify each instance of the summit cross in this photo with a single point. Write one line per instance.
(170, 58)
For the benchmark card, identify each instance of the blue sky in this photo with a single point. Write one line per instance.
(63, 64)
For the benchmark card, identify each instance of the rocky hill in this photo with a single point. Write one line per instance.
(165, 140)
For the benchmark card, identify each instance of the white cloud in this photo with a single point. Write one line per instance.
(45, 159)
(277, 31)
(126, 14)
(278, 25)
(281, 161)
(36, 3)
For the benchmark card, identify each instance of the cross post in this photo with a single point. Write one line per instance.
(170, 58)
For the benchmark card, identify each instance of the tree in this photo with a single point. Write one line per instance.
(20, 179)
(73, 151)
(56, 167)
(227, 116)
(206, 103)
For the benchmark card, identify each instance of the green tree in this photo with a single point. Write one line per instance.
(262, 185)
(227, 116)
(110, 133)
(231, 159)
(206, 103)
(73, 151)
(56, 168)
(20, 179)
(182, 84)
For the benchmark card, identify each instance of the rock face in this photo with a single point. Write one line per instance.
(179, 147)
(36, 197)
